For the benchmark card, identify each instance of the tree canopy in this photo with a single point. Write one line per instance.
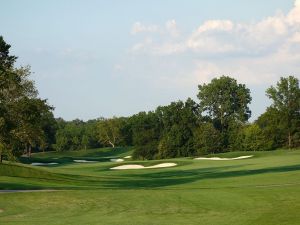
(224, 100)
(286, 102)
(22, 113)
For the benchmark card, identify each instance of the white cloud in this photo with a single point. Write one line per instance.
(152, 44)
(169, 48)
(294, 15)
(263, 37)
(171, 27)
(216, 25)
(138, 27)
(295, 38)
(225, 36)
(142, 46)
(253, 53)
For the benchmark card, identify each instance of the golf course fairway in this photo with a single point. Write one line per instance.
(261, 190)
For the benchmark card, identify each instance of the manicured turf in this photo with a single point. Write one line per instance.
(263, 190)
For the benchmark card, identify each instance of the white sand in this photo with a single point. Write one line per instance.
(218, 158)
(162, 165)
(43, 164)
(244, 157)
(128, 167)
(117, 160)
(83, 161)
(128, 157)
(135, 166)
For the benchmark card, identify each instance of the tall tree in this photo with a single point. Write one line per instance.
(225, 101)
(21, 111)
(29, 129)
(272, 128)
(178, 121)
(286, 101)
(84, 141)
(146, 131)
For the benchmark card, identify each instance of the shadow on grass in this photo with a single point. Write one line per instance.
(17, 186)
(150, 179)
(68, 157)
(177, 177)
(60, 161)
(36, 178)
(109, 152)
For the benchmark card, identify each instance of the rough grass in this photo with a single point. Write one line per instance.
(263, 190)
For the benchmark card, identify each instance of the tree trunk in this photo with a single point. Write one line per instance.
(112, 144)
(290, 140)
(29, 151)
(1, 157)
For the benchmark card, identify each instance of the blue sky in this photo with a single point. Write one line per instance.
(106, 58)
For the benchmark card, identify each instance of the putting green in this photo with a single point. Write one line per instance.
(262, 190)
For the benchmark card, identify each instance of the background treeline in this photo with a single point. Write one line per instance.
(217, 122)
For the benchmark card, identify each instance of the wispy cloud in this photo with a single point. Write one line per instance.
(255, 53)
(172, 29)
(138, 27)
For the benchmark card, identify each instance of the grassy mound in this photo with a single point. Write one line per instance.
(19, 170)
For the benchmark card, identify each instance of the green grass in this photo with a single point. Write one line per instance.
(263, 190)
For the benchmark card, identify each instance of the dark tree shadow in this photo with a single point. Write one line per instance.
(91, 155)
(177, 177)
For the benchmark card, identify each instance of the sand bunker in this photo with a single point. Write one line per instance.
(117, 160)
(218, 158)
(135, 166)
(128, 157)
(43, 164)
(83, 161)
(1, 210)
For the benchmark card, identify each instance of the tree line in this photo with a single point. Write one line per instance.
(218, 122)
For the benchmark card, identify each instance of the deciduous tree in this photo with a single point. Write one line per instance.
(109, 131)
(225, 101)
(286, 101)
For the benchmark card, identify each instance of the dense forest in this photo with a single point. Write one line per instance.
(217, 122)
